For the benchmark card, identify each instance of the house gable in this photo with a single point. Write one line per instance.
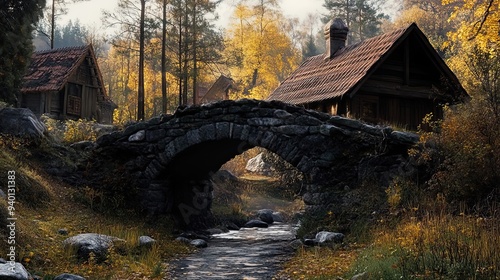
(66, 83)
(412, 69)
(394, 78)
(219, 90)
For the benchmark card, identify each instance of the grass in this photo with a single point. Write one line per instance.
(320, 262)
(441, 246)
(253, 192)
(438, 245)
(417, 237)
(45, 205)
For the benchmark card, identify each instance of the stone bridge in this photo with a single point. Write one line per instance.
(172, 157)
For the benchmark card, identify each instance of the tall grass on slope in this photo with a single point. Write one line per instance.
(436, 247)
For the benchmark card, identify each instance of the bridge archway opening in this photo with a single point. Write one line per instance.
(187, 180)
(269, 183)
(204, 158)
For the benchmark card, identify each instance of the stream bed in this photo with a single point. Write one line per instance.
(250, 253)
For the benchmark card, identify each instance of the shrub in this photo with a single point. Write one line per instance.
(70, 131)
(80, 130)
(404, 194)
(54, 127)
(468, 140)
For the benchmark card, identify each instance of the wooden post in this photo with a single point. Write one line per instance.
(65, 102)
(407, 63)
(42, 103)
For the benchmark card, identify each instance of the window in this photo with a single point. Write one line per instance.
(74, 103)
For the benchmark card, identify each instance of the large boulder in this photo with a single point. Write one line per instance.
(13, 271)
(259, 165)
(256, 223)
(146, 241)
(21, 122)
(326, 237)
(86, 243)
(278, 217)
(199, 243)
(266, 215)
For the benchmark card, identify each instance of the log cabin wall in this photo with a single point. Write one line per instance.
(82, 94)
(66, 84)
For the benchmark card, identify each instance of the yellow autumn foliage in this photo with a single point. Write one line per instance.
(479, 22)
(261, 54)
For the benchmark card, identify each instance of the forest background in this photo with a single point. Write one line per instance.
(155, 55)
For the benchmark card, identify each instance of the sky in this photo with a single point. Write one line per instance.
(89, 12)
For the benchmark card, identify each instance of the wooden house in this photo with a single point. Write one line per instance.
(218, 91)
(66, 84)
(395, 78)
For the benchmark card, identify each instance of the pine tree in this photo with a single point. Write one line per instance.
(361, 16)
(309, 49)
(48, 26)
(17, 19)
(193, 39)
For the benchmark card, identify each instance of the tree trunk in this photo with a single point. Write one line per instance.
(52, 24)
(163, 60)
(140, 92)
(180, 60)
(185, 51)
(195, 66)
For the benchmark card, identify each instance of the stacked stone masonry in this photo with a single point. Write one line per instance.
(164, 152)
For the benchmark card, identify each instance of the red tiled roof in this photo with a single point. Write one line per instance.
(320, 78)
(50, 70)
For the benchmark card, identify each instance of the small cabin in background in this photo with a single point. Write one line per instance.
(395, 78)
(66, 84)
(218, 91)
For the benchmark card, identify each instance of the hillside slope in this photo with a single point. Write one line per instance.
(45, 207)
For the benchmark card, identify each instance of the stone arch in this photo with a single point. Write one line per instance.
(189, 191)
(245, 137)
(327, 149)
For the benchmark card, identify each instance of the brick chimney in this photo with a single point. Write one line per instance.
(335, 34)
